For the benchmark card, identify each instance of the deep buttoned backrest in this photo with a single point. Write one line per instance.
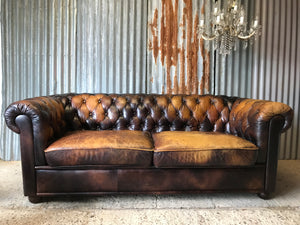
(153, 113)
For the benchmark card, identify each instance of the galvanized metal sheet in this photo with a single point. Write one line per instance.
(178, 60)
(55, 46)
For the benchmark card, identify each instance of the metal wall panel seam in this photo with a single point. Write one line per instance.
(65, 50)
(16, 63)
(275, 48)
(130, 44)
(79, 48)
(6, 87)
(89, 63)
(251, 14)
(125, 47)
(119, 46)
(38, 53)
(256, 52)
(1, 83)
(261, 85)
(147, 91)
(73, 74)
(3, 80)
(111, 48)
(286, 97)
(292, 66)
(114, 76)
(297, 99)
(269, 50)
(281, 67)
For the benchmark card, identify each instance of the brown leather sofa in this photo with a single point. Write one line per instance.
(93, 144)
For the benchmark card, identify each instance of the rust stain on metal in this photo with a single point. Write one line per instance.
(171, 51)
(188, 11)
(206, 70)
(182, 86)
(195, 47)
(154, 30)
(151, 80)
(203, 9)
(204, 84)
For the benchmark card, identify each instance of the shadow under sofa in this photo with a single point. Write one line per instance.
(94, 144)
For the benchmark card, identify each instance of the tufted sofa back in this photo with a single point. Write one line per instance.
(153, 113)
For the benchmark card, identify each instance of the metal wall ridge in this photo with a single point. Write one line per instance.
(54, 46)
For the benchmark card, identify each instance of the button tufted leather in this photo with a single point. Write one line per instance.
(153, 113)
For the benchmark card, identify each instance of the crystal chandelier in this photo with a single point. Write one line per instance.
(227, 26)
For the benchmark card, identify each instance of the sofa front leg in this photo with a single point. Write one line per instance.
(264, 195)
(35, 199)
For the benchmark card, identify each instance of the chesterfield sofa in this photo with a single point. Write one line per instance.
(94, 144)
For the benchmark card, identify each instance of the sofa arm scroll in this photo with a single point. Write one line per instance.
(250, 119)
(47, 119)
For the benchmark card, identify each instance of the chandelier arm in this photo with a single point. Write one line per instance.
(247, 36)
(208, 38)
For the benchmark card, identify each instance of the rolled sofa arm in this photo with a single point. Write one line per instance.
(251, 119)
(47, 120)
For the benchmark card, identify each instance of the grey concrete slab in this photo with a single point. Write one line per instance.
(184, 201)
(264, 216)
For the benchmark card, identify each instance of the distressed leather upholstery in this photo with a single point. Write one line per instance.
(101, 148)
(250, 119)
(153, 113)
(48, 125)
(192, 149)
(52, 116)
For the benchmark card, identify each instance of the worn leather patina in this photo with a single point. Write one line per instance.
(177, 149)
(105, 147)
(128, 166)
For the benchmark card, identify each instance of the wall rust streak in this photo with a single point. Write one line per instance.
(188, 10)
(182, 86)
(151, 80)
(195, 47)
(154, 30)
(206, 70)
(182, 53)
(204, 84)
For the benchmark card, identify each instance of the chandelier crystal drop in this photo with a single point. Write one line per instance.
(227, 26)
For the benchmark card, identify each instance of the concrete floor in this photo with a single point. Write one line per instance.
(151, 209)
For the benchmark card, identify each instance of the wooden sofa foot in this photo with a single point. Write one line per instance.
(264, 196)
(34, 199)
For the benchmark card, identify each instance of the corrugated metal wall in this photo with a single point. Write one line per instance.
(111, 46)
(58, 46)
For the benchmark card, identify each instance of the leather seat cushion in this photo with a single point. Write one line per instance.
(196, 149)
(105, 147)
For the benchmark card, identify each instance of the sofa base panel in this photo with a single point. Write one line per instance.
(51, 182)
